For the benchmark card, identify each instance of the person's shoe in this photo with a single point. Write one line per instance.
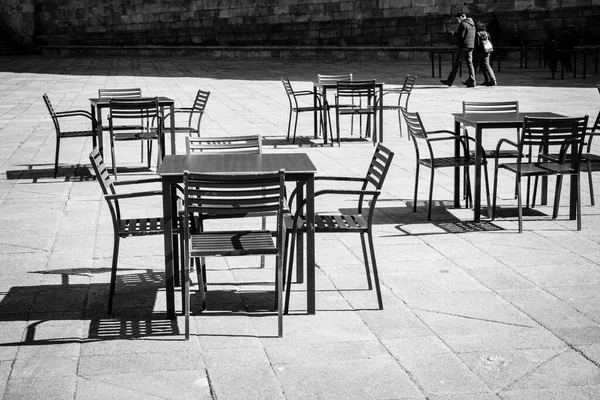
(446, 82)
(468, 83)
(492, 83)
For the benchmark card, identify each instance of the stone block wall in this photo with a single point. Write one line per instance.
(288, 22)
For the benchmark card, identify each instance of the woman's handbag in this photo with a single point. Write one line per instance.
(486, 43)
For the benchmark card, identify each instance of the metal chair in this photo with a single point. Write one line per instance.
(298, 106)
(126, 93)
(121, 111)
(403, 94)
(538, 137)
(62, 134)
(130, 227)
(332, 79)
(248, 144)
(424, 142)
(493, 107)
(364, 92)
(361, 222)
(188, 119)
(232, 196)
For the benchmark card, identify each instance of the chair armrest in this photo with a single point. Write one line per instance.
(132, 195)
(136, 181)
(74, 113)
(339, 178)
(374, 193)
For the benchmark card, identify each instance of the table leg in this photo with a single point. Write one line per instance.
(167, 196)
(315, 105)
(326, 127)
(432, 56)
(172, 122)
(310, 245)
(99, 135)
(477, 184)
(380, 115)
(300, 238)
(456, 169)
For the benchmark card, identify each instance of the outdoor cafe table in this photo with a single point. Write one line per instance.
(298, 168)
(97, 104)
(323, 87)
(481, 121)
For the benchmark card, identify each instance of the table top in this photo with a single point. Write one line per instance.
(334, 85)
(501, 118)
(162, 100)
(294, 164)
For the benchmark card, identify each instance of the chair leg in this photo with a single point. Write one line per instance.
(279, 293)
(589, 167)
(289, 125)
(430, 194)
(264, 227)
(366, 258)
(578, 202)
(290, 269)
(495, 190)
(113, 272)
(557, 193)
(416, 187)
(487, 187)
(295, 126)
(375, 273)
(56, 156)
(114, 161)
(519, 204)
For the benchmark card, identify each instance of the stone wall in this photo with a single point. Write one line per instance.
(288, 22)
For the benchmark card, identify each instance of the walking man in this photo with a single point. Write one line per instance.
(465, 40)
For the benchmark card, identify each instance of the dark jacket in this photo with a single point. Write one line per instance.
(465, 35)
(480, 34)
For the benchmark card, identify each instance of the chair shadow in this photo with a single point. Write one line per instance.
(37, 172)
(133, 314)
(71, 173)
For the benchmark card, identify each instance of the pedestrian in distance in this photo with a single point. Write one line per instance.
(482, 53)
(465, 41)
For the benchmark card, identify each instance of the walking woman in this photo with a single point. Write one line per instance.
(482, 55)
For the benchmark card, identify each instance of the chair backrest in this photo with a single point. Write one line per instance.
(491, 106)
(200, 101)
(564, 133)
(119, 93)
(52, 113)
(106, 183)
(380, 164)
(214, 195)
(133, 108)
(333, 78)
(355, 89)
(414, 124)
(250, 144)
(409, 83)
(288, 88)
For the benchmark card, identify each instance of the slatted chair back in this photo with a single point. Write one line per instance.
(106, 183)
(233, 195)
(114, 93)
(565, 134)
(378, 170)
(199, 104)
(357, 89)
(491, 106)
(290, 93)
(133, 108)
(331, 79)
(249, 144)
(52, 113)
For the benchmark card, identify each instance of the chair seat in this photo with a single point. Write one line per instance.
(330, 223)
(136, 135)
(237, 243)
(501, 154)
(545, 168)
(140, 227)
(72, 134)
(443, 162)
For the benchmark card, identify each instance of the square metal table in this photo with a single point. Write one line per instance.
(481, 121)
(298, 168)
(97, 104)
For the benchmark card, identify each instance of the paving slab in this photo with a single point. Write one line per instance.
(472, 310)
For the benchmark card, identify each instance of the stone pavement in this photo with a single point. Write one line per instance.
(471, 311)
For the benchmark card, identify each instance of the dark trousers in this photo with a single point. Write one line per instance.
(467, 54)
